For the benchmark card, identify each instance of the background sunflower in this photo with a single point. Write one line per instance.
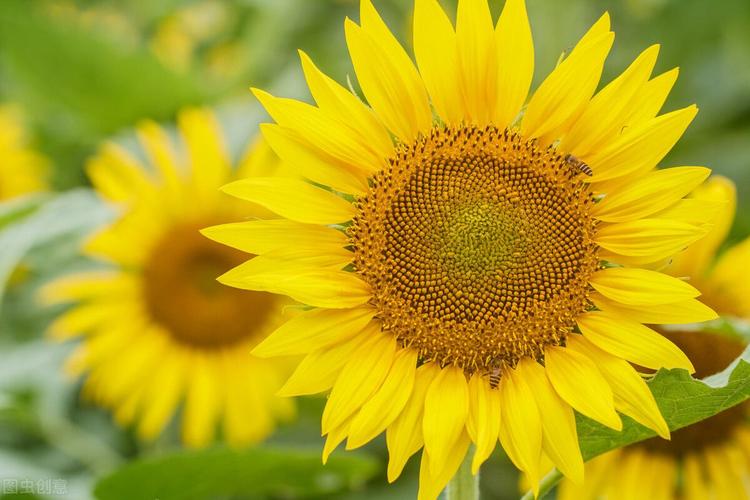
(82, 72)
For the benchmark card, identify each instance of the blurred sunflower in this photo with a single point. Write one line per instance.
(454, 259)
(157, 328)
(22, 170)
(710, 459)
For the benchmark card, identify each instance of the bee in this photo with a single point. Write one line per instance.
(495, 377)
(580, 165)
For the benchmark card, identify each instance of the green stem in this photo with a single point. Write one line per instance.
(545, 485)
(464, 485)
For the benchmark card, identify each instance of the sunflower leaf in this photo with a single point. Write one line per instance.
(683, 401)
(249, 473)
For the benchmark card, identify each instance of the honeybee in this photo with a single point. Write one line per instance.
(580, 165)
(495, 377)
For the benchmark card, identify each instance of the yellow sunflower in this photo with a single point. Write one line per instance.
(710, 459)
(478, 266)
(158, 331)
(22, 170)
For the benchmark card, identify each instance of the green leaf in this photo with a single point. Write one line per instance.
(69, 214)
(682, 399)
(250, 473)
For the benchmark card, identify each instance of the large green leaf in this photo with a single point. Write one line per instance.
(68, 215)
(227, 473)
(682, 399)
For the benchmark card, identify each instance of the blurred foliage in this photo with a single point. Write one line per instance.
(87, 70)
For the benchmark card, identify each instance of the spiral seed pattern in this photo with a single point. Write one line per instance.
(478, 246)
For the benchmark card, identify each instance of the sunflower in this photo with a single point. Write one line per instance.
(478, 267)
(712, 457)
(158, 331)
(22, 170)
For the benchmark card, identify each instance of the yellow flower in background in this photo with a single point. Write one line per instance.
(22, 170)
(710, 459)
(157, 330)
(456, 239)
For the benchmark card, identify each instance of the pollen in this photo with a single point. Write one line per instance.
(182, 295)
(478, 246)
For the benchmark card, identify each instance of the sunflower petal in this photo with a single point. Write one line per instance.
(387, 76)
(387, 403)
(313, 330)
(579, 382)
(685, 311)
(632, 341)
(445, 412)
(559, 435)
(405, 437)
(650, 194)
(477, 60)
(263, 236)
(641, 287)
(632, 395)
(432, 481)
(646, 239)
(483, 422)
(520, 425)
(571, 84)
(360, 378)
(294, 199)
(437, 58)
(515, 65)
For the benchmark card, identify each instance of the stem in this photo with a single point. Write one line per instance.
(545, 485)
(464, 485)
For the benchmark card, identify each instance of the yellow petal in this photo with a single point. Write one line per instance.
(161, 155)
(405, 437)
(335, 437)
(699, 256)
(559, 435)
(319, 287)
(632, 341)
(320, 369)
(201, 404)
(361, 377)
(313, 163)
(641, 287)
(446, 408)
(262, 236)
(694, 477)
(347, 108)
(118, 176)
(387, 403)
(650, 194)
(641, 148)
(293, 199)
(387, 76)
(632, 395)
(728, 285)
(647, 239)
(483, 422)
(477, 60)
(313, 330)
(89, 285)
(210, 164)
(322, 130)
(649, 101)
(520, 425)
(163, 394)
(571, 84)
(515, 62)
(432, 481)
(437, 58)
(686, 311)
(604, 115)
(579, 382)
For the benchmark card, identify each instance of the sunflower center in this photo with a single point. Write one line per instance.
(478, 246)
(710, 353)
(182, 294)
